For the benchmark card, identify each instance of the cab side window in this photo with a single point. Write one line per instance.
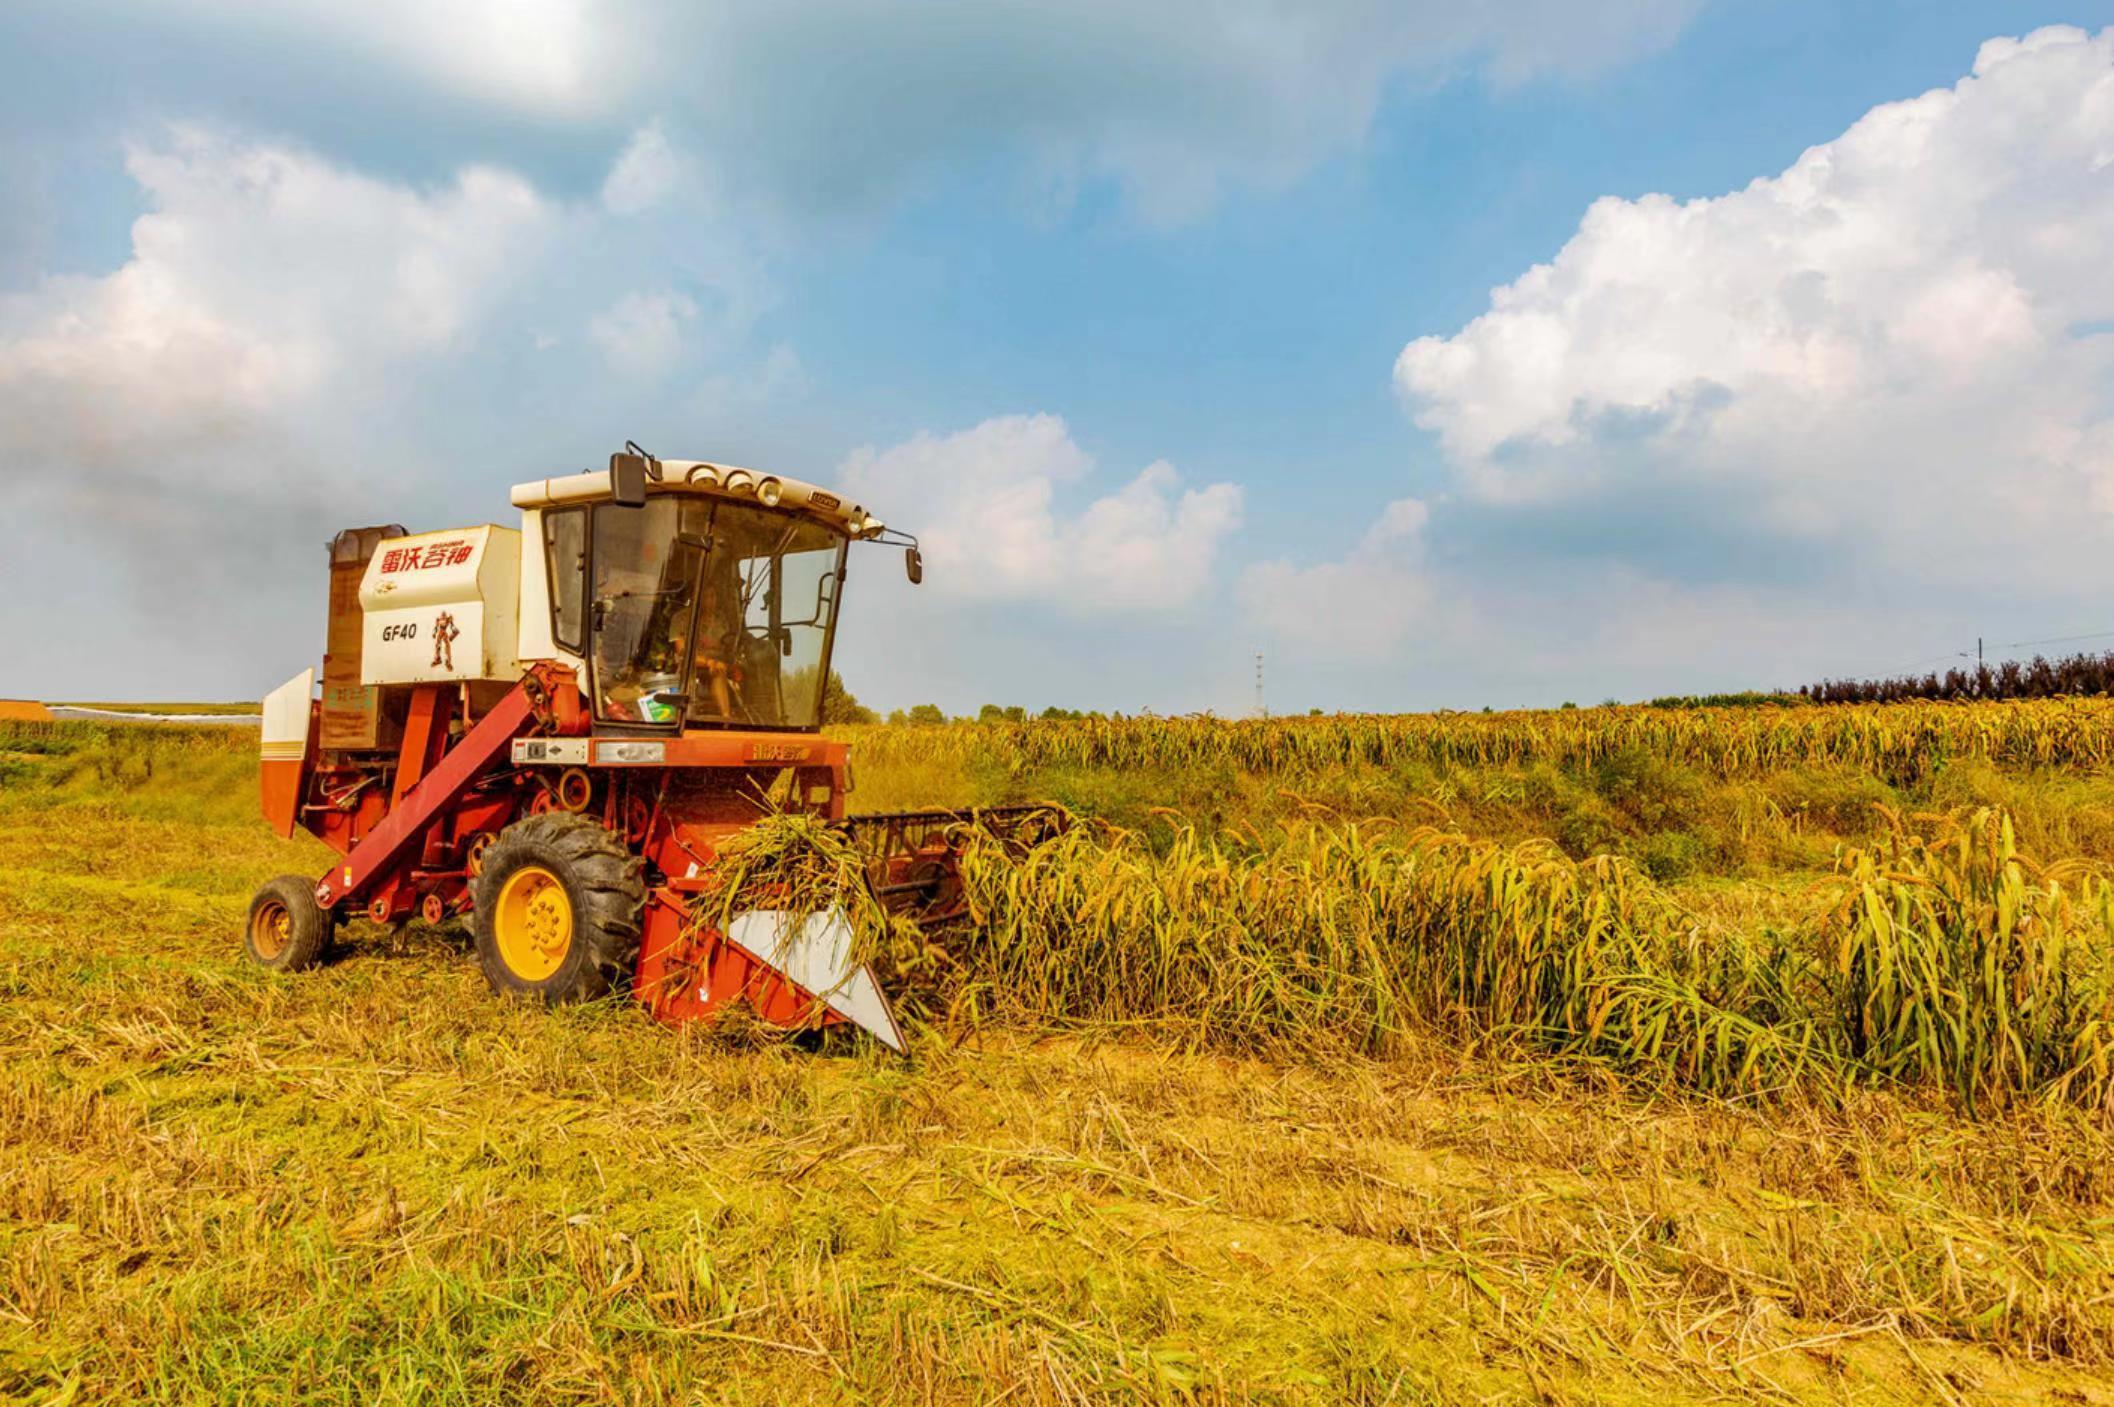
(565, 544)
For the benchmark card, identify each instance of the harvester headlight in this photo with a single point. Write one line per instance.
(769, 491)
(738, 481)
(703, 474)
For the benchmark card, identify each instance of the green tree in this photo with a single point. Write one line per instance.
(926, 713)
(839, 706)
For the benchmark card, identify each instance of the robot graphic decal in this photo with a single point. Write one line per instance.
(444, 633)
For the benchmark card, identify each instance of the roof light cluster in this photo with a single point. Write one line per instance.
(769, 490)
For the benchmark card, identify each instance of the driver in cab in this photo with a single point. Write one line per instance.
(716, 677)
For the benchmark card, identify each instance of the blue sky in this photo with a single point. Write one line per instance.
(1112, 305)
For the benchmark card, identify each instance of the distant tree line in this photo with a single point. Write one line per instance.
(1746, 699)
(2037, 678)
(989, 713)
(839, 705)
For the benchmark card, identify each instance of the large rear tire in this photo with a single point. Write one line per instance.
(287, 930)
(557, 903)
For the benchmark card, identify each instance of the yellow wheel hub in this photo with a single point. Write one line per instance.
(533, 923)
(271, 928)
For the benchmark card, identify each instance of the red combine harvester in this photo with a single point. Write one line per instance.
(554, 730)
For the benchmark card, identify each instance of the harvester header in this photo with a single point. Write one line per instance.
(554, 730)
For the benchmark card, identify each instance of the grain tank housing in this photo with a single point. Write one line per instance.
(442, 607)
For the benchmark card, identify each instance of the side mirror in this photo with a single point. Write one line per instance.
(627, 480)
(913, 565)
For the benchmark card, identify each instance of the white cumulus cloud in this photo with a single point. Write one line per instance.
(1901, 340)
(985, 503)
(278, 309)
(646, 173)
(270, 297)
(1359, 608)
(845, 104)
(642, 334)
(292, 346)
(543, 55)
(1174, 103)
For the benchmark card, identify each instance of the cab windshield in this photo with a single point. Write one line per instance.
(712, 613)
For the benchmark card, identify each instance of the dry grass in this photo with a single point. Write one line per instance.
(375, 1184)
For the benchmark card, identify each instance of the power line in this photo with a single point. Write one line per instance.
(1925, 664)
(2057, 640)
(1921, 665)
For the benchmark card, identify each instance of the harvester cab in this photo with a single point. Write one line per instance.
(555, 729)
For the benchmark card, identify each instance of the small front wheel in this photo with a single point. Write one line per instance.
(287, 929)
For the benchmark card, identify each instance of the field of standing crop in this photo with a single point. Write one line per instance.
(1595, 1056)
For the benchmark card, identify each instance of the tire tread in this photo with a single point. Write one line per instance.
(606, 883)
(305, 946)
